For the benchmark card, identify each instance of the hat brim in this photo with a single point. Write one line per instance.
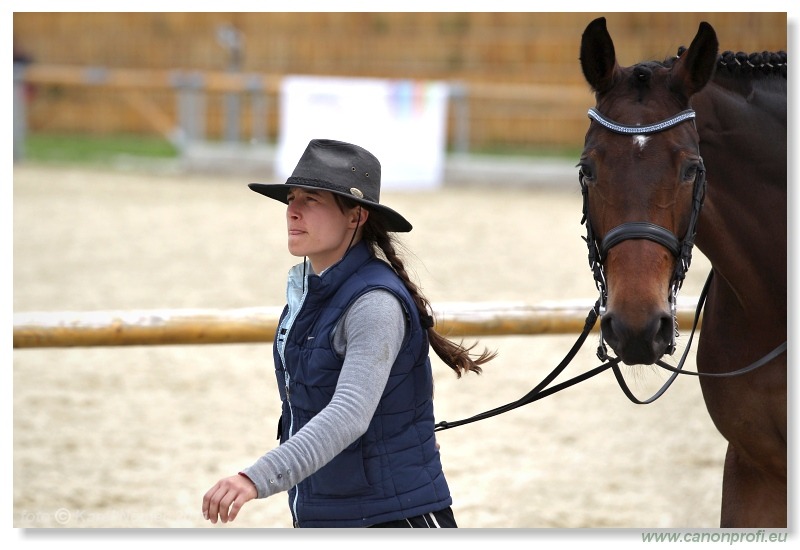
(280, 192)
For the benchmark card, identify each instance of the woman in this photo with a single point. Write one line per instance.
(351, 359)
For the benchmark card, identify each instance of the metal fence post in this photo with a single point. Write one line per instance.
(259, 109)
(229, 37)
(460, 97)
(20, 111)
(191, 107)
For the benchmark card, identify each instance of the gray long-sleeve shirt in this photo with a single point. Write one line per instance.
(369, 336)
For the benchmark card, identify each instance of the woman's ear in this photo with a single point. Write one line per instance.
(359, 216)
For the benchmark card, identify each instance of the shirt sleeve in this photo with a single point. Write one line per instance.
(371, 333)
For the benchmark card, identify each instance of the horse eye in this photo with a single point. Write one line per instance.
(690, 174)
(585, 171)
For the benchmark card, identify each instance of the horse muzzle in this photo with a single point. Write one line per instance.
(639, 343)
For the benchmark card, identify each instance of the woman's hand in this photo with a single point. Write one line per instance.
(226, 498)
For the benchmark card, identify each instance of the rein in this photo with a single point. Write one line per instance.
(541, 390)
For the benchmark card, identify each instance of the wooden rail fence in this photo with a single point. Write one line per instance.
(249, 325)
(562, 107)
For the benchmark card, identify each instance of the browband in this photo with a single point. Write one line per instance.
(649, 129)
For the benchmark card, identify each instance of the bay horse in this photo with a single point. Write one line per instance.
(690, 150)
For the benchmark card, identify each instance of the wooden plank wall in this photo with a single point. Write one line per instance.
(490, 51)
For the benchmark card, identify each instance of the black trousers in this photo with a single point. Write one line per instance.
(434, 520)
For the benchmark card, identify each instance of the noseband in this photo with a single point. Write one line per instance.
(681, 249)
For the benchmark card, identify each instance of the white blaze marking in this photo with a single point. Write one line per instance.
(640, 140)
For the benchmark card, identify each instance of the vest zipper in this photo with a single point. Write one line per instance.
(287, 379)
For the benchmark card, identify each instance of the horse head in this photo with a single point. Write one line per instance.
(643, 182)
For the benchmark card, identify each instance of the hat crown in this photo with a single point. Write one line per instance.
(341, 167)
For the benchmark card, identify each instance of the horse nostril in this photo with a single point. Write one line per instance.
(666, 330)
(607, 324)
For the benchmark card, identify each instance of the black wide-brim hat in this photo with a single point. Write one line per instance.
(343, 169)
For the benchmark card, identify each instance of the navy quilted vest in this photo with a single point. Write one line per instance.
(393, 471)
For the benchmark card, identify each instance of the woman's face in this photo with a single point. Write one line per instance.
(318, 228)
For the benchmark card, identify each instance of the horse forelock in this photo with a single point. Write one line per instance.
(640, 96)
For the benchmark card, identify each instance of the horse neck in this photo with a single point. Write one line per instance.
(742, 228)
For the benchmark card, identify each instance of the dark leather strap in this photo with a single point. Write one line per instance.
(541, 390)
(641, 230)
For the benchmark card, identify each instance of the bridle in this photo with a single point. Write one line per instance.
(681, 249)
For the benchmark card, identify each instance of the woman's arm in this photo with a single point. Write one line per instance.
(370, 335)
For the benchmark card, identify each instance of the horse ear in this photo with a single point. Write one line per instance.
(696, 66)
(598, 58)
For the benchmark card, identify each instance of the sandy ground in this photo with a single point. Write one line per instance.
(134, 436)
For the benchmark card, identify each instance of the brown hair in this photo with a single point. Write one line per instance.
(456, 356)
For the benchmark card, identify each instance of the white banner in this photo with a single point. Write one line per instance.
(402, 122)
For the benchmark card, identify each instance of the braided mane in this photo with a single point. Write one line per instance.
(756, 63)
